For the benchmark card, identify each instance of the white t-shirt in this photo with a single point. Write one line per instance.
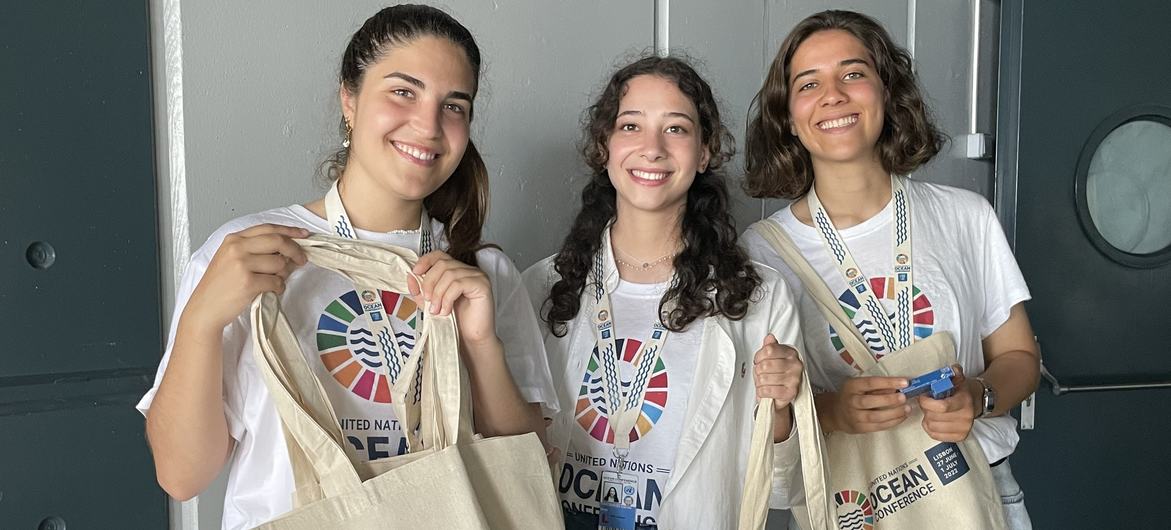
(333, 331)
(655, 437)
(966, 281)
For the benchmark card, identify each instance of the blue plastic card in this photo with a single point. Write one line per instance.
(937, 384)
(615, 517)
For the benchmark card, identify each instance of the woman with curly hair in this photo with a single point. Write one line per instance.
(653, 311)
(837, 125)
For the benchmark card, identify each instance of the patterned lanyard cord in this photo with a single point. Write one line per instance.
(623, 413)
(371, 299)
(896, 334)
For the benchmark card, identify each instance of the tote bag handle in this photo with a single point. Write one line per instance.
(304, 408)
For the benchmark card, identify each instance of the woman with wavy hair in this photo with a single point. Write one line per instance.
(406, 174)
(837, 125)
(661, 334)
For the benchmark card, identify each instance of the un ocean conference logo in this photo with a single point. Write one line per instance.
(854, 511)
(922, 317)
(349, 349)
(591, 410)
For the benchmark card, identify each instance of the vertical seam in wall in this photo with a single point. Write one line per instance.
(912, 7)
(176, 160)
(662, 27)
(974, 71)
(174, 211)
(764, 65)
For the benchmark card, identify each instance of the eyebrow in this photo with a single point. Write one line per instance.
(846, 62)
(671, 114)
(456, 94)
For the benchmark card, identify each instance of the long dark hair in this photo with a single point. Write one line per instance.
(713, 274)
(461, 203)
(777, 163)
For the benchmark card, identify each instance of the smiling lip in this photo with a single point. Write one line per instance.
(838, 124)
(649, 177)
(415, 154)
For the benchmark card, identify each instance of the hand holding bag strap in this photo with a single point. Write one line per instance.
(830, 308)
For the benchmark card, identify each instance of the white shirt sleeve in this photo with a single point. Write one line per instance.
(234, 338)
(516, 325)
(1004, 285)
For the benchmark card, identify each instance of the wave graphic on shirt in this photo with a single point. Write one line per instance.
(348, 347)
(591, 412)
(922, 317)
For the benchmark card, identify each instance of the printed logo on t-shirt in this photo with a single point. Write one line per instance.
(854, 511)
(591, 412)
(349, 349)
(922, 317)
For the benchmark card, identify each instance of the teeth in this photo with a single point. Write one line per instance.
(840, 122)
(647, 175)
(415, 152)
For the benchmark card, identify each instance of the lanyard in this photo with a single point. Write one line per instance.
(624, 413)
(896, 334)
(371, 299)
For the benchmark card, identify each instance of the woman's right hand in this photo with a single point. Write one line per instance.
(249, 262)
(868, 404)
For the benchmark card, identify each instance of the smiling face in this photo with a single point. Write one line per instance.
(656, 147)
(836, 99)
(410, 120)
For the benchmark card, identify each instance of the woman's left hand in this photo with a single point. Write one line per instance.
(452, 285)
(950, 419)
(777, 372)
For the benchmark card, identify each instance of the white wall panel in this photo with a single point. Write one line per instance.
(727, 41)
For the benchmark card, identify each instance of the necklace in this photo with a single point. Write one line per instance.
(646, 265)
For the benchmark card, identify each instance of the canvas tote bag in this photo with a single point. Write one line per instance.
(900, 477)
(450, 479)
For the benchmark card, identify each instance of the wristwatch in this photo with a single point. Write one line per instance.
(989, 399)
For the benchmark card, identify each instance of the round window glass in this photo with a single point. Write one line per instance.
(1128, 187)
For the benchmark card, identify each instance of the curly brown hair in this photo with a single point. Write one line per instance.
(713, 274)
(777, 163)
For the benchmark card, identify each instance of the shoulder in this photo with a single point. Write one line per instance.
(773, 288)
(943, 198)
(540, 277)
(285, 215)
(501, 271)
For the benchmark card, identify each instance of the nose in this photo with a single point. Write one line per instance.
(833, 95)
(652, 147)
(426, 121)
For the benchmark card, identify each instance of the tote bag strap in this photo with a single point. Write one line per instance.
(830, 308)
(304, 408)
(814, 475)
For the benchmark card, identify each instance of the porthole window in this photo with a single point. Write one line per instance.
(1124, 187)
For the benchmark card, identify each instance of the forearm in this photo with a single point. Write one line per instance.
(782, 424)
(185, 425)
(1014, 375)
(499, 408)
(826, 403)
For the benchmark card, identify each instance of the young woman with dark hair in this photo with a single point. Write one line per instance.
(837, 125)
(408, 175)
(653, 311)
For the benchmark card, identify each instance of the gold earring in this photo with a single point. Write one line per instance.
(349, 134)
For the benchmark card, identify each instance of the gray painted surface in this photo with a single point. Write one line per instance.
(251, 102)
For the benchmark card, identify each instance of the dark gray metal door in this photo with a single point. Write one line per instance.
(79, 271)
(1085, 117)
